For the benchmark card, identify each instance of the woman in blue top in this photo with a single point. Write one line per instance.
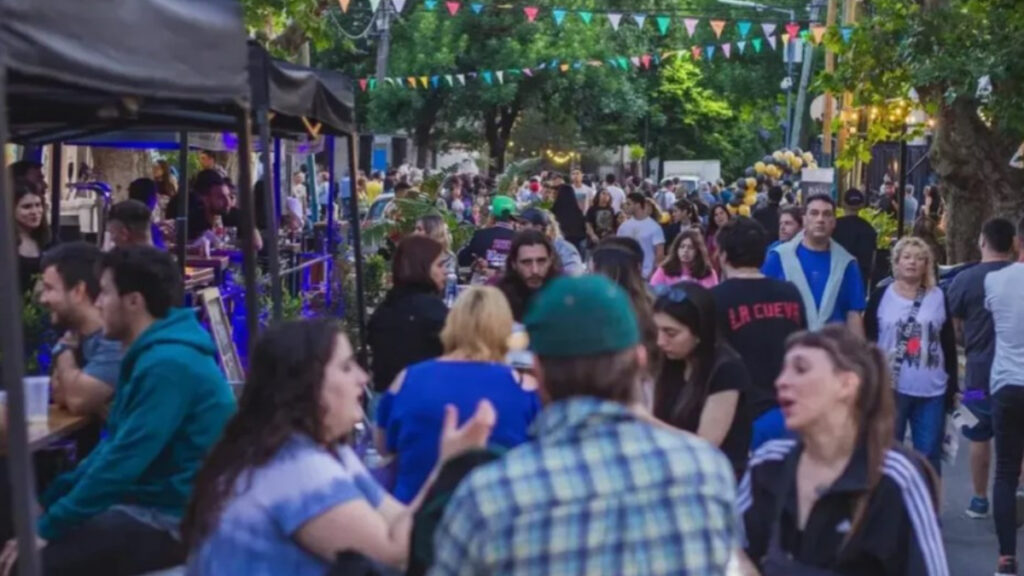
(475, 339)
(281, 493)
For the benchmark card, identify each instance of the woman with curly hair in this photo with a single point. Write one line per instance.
(282, 493)
(687, 261)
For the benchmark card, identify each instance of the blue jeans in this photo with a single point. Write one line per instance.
(770, 425)
(927, 419)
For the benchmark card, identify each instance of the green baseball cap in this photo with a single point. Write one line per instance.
(503, 207)
(583, 316)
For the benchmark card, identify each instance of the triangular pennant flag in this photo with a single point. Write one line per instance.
(623, 62)
(768, 28)
(805, 35)
(771, 41)
(757, 44)
(559, 16)
(471, 74)
(577, 65)
(501, 76)
(477, 7)
(744, 28)
(710, 51)
(614, 18)
(635, 60)
(668, 54)
(742, 45)
(435, 81)
(462, 79)
(425, 81)
(554, 63)
(363, 83)
(531, 13)
(399, 5)
(453, 7)
(390, 81)
(727, 49)
(374, 4)
(847, 33)
(564, 68)
(595, 63)
(640, 19)
(663, 23)
(488, 77)
(586, 16)
(818, 31)
(344, 5)
(793, 29)
(528, 72)
(430, 4)
(646, 59)
(718, 26)
(691, 25)
(450, 79)
(696, 52)
(412, 81)
(373, 84)
(785, 39)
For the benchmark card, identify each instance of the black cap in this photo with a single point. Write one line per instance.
(533, 216)
(854, 198)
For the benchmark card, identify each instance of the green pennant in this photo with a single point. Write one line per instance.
(373, 84)
(663, 23)
(757, 44)
(586, 16)
(804, 35)
(623, 62)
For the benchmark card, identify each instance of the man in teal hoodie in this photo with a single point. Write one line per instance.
(119, 510)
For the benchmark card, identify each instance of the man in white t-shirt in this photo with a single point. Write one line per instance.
(666, 196)
(618, 194)
(642, 228)
(584, 193)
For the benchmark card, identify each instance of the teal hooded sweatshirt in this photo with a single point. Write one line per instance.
(170, 406)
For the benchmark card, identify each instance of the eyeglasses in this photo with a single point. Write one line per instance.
(673, 294)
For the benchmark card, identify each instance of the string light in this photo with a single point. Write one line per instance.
(560, 157)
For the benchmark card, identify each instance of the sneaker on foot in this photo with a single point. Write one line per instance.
(978, 508)
(1007, 566)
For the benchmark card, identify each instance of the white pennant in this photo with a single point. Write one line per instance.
(399, 5)
(462, 79)
(640, 19)
(742, 45)
(768, 28)
(614, 18)
(501, 76)
(374, 4)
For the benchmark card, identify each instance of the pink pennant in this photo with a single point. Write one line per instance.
(793, 29)
(528, 72)
(718, 26)
(696, 52)
(453, 7)
(362, 83)
(691, 25)
(531, 12)
(646, 59)
(727, 49)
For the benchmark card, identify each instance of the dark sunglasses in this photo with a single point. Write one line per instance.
(673, 294)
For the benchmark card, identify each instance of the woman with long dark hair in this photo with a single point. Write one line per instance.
(569, 216)
(718, 217)
(282, 493)
(406, 327)
(703, 380)
(601, 217)
(842, 498)
(687, 261)
(33, 232)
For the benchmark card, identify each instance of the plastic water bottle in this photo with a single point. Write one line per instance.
(451, 289)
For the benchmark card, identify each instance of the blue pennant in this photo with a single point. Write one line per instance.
(430, 4)
(710, 51)
(847, 33)
(477, 7)
(744, 28)
(435, 80)
(559, 15)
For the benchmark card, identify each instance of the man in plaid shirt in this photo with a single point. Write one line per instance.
(601, 489)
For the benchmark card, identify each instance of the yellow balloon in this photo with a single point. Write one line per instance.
(751, 182)
(789, 155)
(798, 162)
(744, 211)
(808, 157)
(759, 167)
(730, 209)
(750, 199)
(777, 155)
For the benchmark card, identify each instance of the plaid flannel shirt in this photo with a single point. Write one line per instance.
(597, 491)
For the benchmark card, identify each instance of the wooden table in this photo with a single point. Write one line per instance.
(60, 424)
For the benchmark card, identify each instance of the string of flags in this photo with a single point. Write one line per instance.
(642, 62)
(663, 21)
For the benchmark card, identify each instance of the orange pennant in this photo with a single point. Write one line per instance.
(818, 31)
(564, 67)
(344, 5)
(412, 81)
(717, 26)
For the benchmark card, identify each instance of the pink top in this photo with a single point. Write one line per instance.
(659, 278)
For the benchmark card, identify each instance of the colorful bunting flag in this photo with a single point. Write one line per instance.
(768, 28)
(818, 31)
(477, 7)
(785, 39)
(373, 84)
(399, 5)
(793, 29)
(586, 16)
(744, 28)
(501, 76)
(487, 76)
(363, 83)
(412, 81)
(771, 41)
(710, 51)
(425, 81)
(640, 19)
(435, 81)
(696, 52)
(430, 4)
(531, 12)
(635, 60)
(805, 35)
(564, 68)
(691, 26)
(718, 26)
(462, 79)
(453, 7)
(614, 18)
(344, 5)
(374, 4)
(727, 49)
(559, 16)
(623, 62)
(847, 33)
(451, 81)
(663, 23)
(528, 72)
(742, 45)
(646, 60)
(390, 81)
(757, 44)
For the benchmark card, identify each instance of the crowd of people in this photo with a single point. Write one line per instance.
(587, 387)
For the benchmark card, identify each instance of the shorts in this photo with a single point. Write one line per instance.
(980, 406)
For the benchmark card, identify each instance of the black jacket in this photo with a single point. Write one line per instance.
(404, 330)
(860, 239)
(768, 216)
(898, 536)
(947, 339)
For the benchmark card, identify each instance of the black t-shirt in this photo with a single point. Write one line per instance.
(756, 316)
(602, 220)
(967, 302)
(728, 374)
(492, 244)
(768, 217)
(860, 239)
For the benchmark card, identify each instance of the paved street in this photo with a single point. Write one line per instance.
(970, 544)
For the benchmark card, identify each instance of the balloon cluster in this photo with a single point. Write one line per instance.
(780, 165)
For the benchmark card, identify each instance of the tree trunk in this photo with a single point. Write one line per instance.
(118, 167)
(423, 133)
(976, 181)
(498, 123)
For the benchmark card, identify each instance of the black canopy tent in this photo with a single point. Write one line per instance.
(69, 65)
